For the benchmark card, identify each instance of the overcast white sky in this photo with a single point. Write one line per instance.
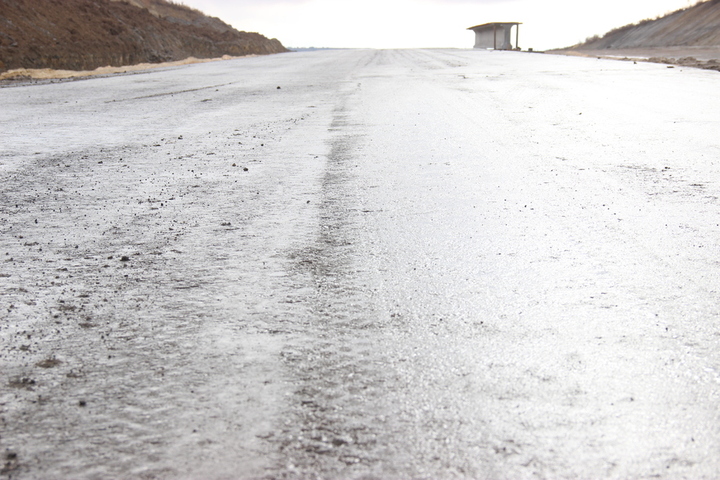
(428, 23)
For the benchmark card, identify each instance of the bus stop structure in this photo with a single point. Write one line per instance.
(497, 36)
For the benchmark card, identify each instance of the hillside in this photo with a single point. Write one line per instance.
(180, 14)
(697, 26)
(86, 34)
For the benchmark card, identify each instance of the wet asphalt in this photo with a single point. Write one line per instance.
(362, 264)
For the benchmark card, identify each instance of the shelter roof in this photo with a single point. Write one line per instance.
(493, 24)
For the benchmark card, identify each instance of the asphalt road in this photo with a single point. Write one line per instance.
(362, 264)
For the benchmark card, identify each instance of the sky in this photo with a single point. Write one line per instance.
(429, 23)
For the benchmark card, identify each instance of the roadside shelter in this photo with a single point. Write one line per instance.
(497, 36)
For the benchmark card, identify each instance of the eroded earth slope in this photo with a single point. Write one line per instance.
(87, 34)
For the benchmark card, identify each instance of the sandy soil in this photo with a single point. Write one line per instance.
(362, 264)
(30, 74)
(699, 57)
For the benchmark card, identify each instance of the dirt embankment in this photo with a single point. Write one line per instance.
(687, 37)
(87, 34)
(697, 26)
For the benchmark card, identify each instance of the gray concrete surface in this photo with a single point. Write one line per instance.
(362, 264)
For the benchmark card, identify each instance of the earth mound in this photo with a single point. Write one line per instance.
(696, 26)
(687, 37)
(87, 34)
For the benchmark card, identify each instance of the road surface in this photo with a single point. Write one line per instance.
(363, 264)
